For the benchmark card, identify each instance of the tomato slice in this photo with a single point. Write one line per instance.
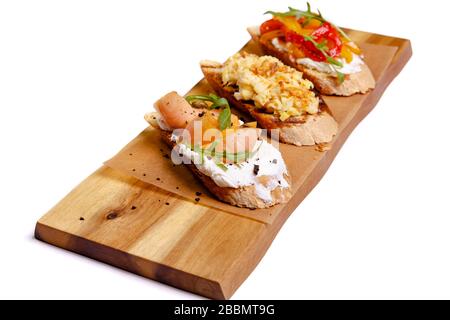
(270, 25)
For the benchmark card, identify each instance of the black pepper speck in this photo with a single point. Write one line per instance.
(111, 216)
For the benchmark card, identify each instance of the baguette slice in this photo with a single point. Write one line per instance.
(306, 130)
(360, 82)
(244, 197)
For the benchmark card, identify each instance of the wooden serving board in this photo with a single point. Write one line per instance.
(120, 220)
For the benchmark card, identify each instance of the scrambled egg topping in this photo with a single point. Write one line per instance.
(270, 84)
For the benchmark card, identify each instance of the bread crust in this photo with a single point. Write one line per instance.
(244, 197)
(326, 84)
(305, 130)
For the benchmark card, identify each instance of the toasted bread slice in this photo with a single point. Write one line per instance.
(360, 82)
(244, 197)
(305, 130)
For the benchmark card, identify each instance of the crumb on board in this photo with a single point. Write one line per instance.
(322, 147)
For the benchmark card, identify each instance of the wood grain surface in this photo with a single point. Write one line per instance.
(120, 220)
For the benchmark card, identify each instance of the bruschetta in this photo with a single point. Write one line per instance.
(322, 51)
(231, 159)
(275, 95)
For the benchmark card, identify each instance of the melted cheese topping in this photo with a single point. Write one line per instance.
(270, 84)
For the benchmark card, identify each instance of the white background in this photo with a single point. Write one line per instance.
(76, 78)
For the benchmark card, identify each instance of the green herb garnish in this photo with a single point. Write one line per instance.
(308, 14)
(341, 77)
(211, 149)
(220, 157)
(222, 166)
(334, 62)
(225, 119)
(216, 103)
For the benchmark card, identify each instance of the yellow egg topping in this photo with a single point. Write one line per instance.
(271, 84)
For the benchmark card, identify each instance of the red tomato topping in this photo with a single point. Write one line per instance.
(329, 34)
(325, 36)
(307, 47)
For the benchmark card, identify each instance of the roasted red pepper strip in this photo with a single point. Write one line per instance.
(322, 30)
(270, 25)
(327, 33)
(307, 47)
